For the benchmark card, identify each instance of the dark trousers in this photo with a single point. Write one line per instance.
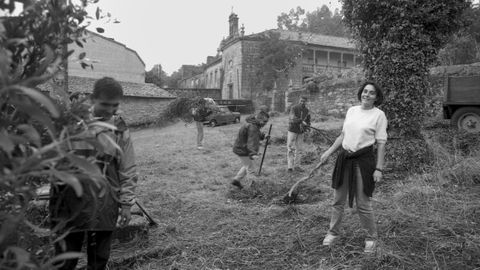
(98, 249)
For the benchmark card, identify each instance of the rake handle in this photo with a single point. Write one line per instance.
(310, 175)
(265, 149)
(296, 184)
(151, 221)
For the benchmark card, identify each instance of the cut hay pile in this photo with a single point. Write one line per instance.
(425, 221)
(432, 220)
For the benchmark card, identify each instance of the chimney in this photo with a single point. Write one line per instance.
(233, 22)
(210, 59)
(242, 30)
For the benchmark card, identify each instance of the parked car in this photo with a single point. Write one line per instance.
(462, 102)
(223, 116)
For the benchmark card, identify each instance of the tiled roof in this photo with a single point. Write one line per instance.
(315, 39)
(85, 85)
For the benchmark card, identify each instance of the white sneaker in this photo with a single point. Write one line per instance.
(328, 240)
(370, 246)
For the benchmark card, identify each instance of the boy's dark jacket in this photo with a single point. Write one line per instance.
(248, 139)
(201, 114)
(298, 113)
(98, 207)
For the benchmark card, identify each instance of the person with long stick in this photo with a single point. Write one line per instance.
(246, 146)
(357, 169)
(299, 118)
(204, 107)
(94, 214)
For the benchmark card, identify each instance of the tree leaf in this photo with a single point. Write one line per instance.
(70, 52)
(79, 44)
(22, 257)
(46, 61)
(110, 141)
(30, 164)
(87, 167)
(82, 55)
(30, 133)
(62, 257)
(93, 141)
(100, 30)
(5, 143)
(70, 180)
(97, 13)
(8, 226)
(26, 106)
(40, 98)
(102, 124)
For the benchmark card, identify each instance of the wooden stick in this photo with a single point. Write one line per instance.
(151, 221)
(310, 175)
(265, 149)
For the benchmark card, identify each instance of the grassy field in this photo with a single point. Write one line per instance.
(427, 221)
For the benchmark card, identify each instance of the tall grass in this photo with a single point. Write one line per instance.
(433, 220)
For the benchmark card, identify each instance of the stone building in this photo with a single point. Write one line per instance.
(143, 102)
(233, 69)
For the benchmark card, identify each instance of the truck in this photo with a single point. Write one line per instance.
(461, 102)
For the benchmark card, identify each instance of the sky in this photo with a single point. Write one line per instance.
(184, 32)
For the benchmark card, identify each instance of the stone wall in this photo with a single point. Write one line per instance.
(250, 54)
(195, 92)
(333, 97)
(338, 90)
(138, 111)
(232, 68)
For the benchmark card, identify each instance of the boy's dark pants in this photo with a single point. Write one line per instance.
(98, 249)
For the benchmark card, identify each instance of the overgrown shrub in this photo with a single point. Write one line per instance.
(35, 131)
(181, 108)
(398, 50)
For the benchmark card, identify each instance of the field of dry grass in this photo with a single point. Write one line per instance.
(205, 224)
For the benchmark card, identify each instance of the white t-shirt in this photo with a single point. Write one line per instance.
(362, 128)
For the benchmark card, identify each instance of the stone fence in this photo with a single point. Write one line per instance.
(332, 98)
(139, 111)
(215, 93)
(336, 94)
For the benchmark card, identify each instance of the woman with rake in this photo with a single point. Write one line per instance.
(356, 169)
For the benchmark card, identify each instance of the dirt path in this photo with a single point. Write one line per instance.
(205, 224)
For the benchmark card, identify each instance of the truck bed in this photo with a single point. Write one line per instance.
(462, 90)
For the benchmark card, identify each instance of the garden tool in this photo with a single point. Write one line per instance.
(151, 221)
(265, 149)
(292, 194)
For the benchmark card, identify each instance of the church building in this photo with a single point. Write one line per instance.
(233, 69)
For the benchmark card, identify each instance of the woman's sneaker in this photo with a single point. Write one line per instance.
(370, 246)
(328, 240)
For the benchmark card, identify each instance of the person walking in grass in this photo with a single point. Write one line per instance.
(203, 108)
(299, 121)
(246, 146)
(357, 169)
(94, 214)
